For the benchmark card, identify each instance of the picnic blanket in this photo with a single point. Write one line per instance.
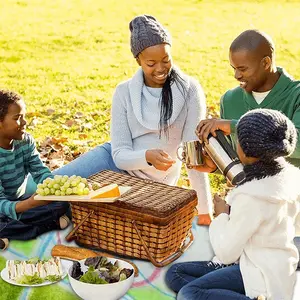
(149, 285)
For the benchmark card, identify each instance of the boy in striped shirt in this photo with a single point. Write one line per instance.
(22, 217)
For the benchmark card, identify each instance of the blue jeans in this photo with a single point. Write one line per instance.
(91, 162)
(206, 280)
(33, 222)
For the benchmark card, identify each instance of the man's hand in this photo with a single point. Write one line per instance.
(159, 159)
(208, 164)
(205, 127)
(29, 203)
(220, 206)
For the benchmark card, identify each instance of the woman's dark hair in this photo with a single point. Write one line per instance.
(166, 100)
(7, 98)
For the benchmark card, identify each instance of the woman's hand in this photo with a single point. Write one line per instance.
(159, 159)
(29, 203)
(220, 206)
(205, 127)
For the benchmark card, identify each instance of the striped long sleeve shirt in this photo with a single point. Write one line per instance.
(15, 165)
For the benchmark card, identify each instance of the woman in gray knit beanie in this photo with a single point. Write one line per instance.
(152, 114)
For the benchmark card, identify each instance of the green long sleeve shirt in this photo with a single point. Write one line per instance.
(284, 96)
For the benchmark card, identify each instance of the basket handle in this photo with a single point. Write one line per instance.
(71, 234)
(172, 257)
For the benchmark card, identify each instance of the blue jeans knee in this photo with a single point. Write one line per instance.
(91, 162)
(172, 277)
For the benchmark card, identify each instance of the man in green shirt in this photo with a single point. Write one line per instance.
(262, 85)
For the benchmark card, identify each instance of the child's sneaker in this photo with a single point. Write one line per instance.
(64, 222)
(3, 244)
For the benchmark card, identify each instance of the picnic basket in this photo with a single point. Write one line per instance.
(151, 221)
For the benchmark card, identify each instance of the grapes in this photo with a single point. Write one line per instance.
(81, 185)
(63, 185)
(69, 191)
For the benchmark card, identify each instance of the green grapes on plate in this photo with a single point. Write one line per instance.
(63, 185)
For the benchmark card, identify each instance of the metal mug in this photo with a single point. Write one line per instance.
(193, 153)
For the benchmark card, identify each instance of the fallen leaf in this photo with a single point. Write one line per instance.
(55, 163)
(56, 155)
(50, 111)
(59, 140)
(83, 135)
(78, 115)
(56, 147)
(69, 123)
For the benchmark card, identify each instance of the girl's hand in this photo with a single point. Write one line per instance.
(159, 159)
(220, 206)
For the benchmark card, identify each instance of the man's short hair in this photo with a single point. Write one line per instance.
(254, 40)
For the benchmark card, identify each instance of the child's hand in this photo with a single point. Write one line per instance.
(220, 206)
(29, 204)
(35, 203)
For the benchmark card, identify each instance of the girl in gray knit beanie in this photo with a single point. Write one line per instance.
(252, 234)
(264, 135)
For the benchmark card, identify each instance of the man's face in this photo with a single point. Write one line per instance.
(156, 62)
(14, 124)
(249, 69)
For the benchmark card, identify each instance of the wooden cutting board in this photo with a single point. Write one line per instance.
(85, 198)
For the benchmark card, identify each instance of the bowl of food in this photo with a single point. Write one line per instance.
(101, 276)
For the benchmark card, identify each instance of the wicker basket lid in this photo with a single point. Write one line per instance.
(146, 196)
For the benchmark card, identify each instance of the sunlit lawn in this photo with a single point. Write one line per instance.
(69, 55)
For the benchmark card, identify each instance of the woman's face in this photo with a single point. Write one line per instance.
(156, 63)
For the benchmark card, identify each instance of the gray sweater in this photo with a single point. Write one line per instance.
(135, 129)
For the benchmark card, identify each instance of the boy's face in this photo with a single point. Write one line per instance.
(14, 124)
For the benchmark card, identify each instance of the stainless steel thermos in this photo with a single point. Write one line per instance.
(226, 159)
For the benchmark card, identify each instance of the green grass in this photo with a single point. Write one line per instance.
(69, 55)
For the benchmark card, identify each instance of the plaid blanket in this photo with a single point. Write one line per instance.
(149, 285)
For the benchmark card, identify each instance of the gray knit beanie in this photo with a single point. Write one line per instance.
(146, 32)
(266, 134)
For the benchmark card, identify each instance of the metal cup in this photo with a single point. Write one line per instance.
(192, 153)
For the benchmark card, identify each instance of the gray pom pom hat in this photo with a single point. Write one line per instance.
(146, 31)
(266, 134)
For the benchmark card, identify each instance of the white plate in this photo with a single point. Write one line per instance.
(4, 276)
(87, 198)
